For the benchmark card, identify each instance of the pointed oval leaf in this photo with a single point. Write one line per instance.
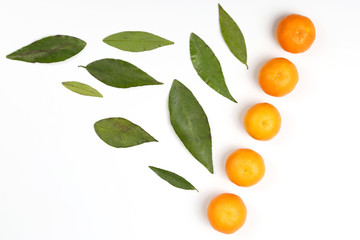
(82, 89)
(136, 41)
(190, 123)
(49, 49)
(120, 74)
(233, 36)
(208, 66)
(121, 133)
(173, 178)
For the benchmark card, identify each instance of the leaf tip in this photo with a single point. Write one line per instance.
(175, 83)
(12, 56)
(83, 44)
(194, 188)
(210, 167)
(98, 94)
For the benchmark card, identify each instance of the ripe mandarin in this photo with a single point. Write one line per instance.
(295, 33)
(227, 213)
(278, 77)
(262, 121)
(245, 167)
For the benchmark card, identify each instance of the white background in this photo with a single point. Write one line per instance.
(58, 180)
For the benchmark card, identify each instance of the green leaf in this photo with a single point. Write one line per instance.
(173, 179)
(121, 133)
(120, 74)
(136, 41)
(49, 49)
(233, 36)
(82, 89)
(208, 66)
(190, 123)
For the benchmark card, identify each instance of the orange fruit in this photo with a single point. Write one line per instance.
(262, 121)
(227, 213)
(245, 167)
(295, 33)
(278, 77)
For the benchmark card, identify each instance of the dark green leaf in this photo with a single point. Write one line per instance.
(233, 36)
(173, 179)
(121, 133)
(190, 123)
(49, 49)
(208, 66)
(135, 41)
(120, 74)
(82, 89)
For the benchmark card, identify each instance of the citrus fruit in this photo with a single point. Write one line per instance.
(227, 213)
(278, 77)
(262, 121)
(295, 33)
(245, 167)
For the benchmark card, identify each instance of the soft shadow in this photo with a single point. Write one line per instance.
(225, 156)
(257, 69)
(276, 22)
(205, 203)
(243, 112)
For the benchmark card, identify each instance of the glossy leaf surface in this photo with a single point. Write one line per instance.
(82, 89)
(136, 41)
(49, 49)
(208, 66)
(121, 133)
(233, 36)
(119, 73)
(190, 123)
(173, 178)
